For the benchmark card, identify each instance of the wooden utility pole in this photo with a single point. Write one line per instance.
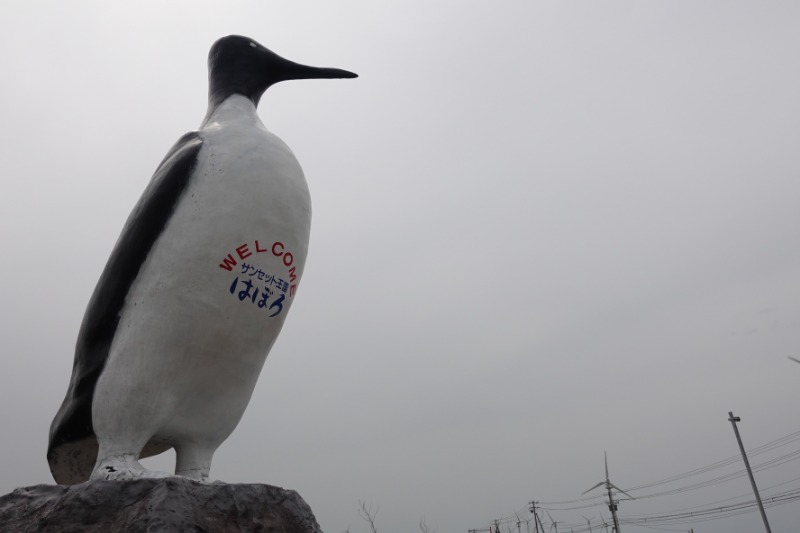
(536, 520)
(733, 420)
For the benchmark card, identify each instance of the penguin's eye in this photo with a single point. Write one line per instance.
(253, 44)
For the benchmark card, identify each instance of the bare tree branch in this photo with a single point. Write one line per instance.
(424, 528)
(366, 513)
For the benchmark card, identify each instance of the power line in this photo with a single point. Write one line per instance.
(703, 515)
(778, 461)
(689, 515)
(738, 496)
(715, 513)
(764, 448)
(771, 463)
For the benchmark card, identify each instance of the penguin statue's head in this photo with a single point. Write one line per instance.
(240, 65)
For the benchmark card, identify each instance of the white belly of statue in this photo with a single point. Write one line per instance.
(210, 299)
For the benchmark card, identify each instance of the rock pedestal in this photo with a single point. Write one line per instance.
(155, 505)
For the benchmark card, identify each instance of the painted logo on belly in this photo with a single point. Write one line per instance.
(264, 289)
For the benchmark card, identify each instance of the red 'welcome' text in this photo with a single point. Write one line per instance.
(277, 249)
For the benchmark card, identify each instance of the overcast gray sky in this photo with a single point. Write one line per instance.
(542, 231)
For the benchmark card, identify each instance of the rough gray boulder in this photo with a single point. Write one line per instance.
(155, 505)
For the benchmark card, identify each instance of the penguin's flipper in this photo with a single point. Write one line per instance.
(72, 450)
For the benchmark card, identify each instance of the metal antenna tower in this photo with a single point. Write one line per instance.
(612, 504)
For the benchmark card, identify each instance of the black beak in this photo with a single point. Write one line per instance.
(289, 70)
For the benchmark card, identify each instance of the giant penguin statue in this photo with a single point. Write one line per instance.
(196, 289)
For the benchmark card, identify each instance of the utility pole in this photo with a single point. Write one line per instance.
(612, 506)
(535, 517)
(733, 420)
(540, 523)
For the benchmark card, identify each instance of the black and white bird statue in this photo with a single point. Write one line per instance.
(196, 289)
